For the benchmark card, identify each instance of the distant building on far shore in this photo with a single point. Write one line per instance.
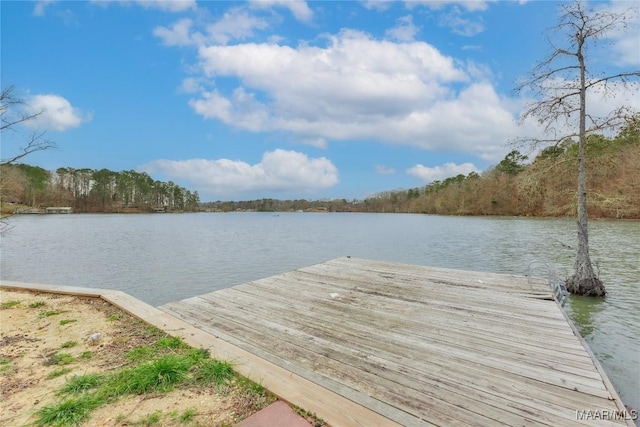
(28, 211)
(59, 210)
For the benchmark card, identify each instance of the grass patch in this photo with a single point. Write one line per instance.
(69, 344)
(114, 317)
(60, 359)
(82, 383)
(5, 364)
(159, 375)
(51, 313)
(58, 373)
(251, 387)
(86, 355)
(166, 364)
(67, 321)
(69, 412)
(173, 343)
(187, 415)
(151, 419)
(8, 304)
(162, 346)
(141, 353)
(214, 372)
(198, 354)
(37, 304)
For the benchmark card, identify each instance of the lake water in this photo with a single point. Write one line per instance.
(162, 257)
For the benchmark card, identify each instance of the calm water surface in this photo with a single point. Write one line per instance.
(161, 258)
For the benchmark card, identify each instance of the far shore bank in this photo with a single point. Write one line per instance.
(38, 211)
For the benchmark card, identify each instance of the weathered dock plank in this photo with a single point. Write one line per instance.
(390, 368)
(415, 345)
(412, 329)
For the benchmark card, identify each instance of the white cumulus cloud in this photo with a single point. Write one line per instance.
(299, 8)
(235, 24)
(356, 87)
(54, 113)
(40, 8)
(625, 40)
(628, 49)
(278, 171)
(346, 86)
(379, 5)
(430, 174)
(405, 30)
(177, 34)
(470, 5)
(165, 5)
(169, 5)
(462, 26)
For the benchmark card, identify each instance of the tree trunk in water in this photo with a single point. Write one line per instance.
(584, 281)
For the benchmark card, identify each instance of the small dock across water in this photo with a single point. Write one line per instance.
(367, 343)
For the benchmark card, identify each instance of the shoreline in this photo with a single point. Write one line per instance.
(5, 215)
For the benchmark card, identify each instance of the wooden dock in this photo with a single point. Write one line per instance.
(364, 343)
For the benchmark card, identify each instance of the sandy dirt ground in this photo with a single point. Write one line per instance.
(42, 325)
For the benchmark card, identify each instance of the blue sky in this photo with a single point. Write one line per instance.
(282, 99)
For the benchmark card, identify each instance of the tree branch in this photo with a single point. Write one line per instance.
(9, 102)
(10, 118)
(36, 143)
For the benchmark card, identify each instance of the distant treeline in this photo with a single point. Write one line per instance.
(275, 205)
(547, 186)
(89, 190)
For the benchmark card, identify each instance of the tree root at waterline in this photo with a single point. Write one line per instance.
(588, 287)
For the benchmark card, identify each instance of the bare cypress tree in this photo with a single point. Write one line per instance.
(561, 82)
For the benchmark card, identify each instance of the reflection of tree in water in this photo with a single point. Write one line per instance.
(583, 311)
